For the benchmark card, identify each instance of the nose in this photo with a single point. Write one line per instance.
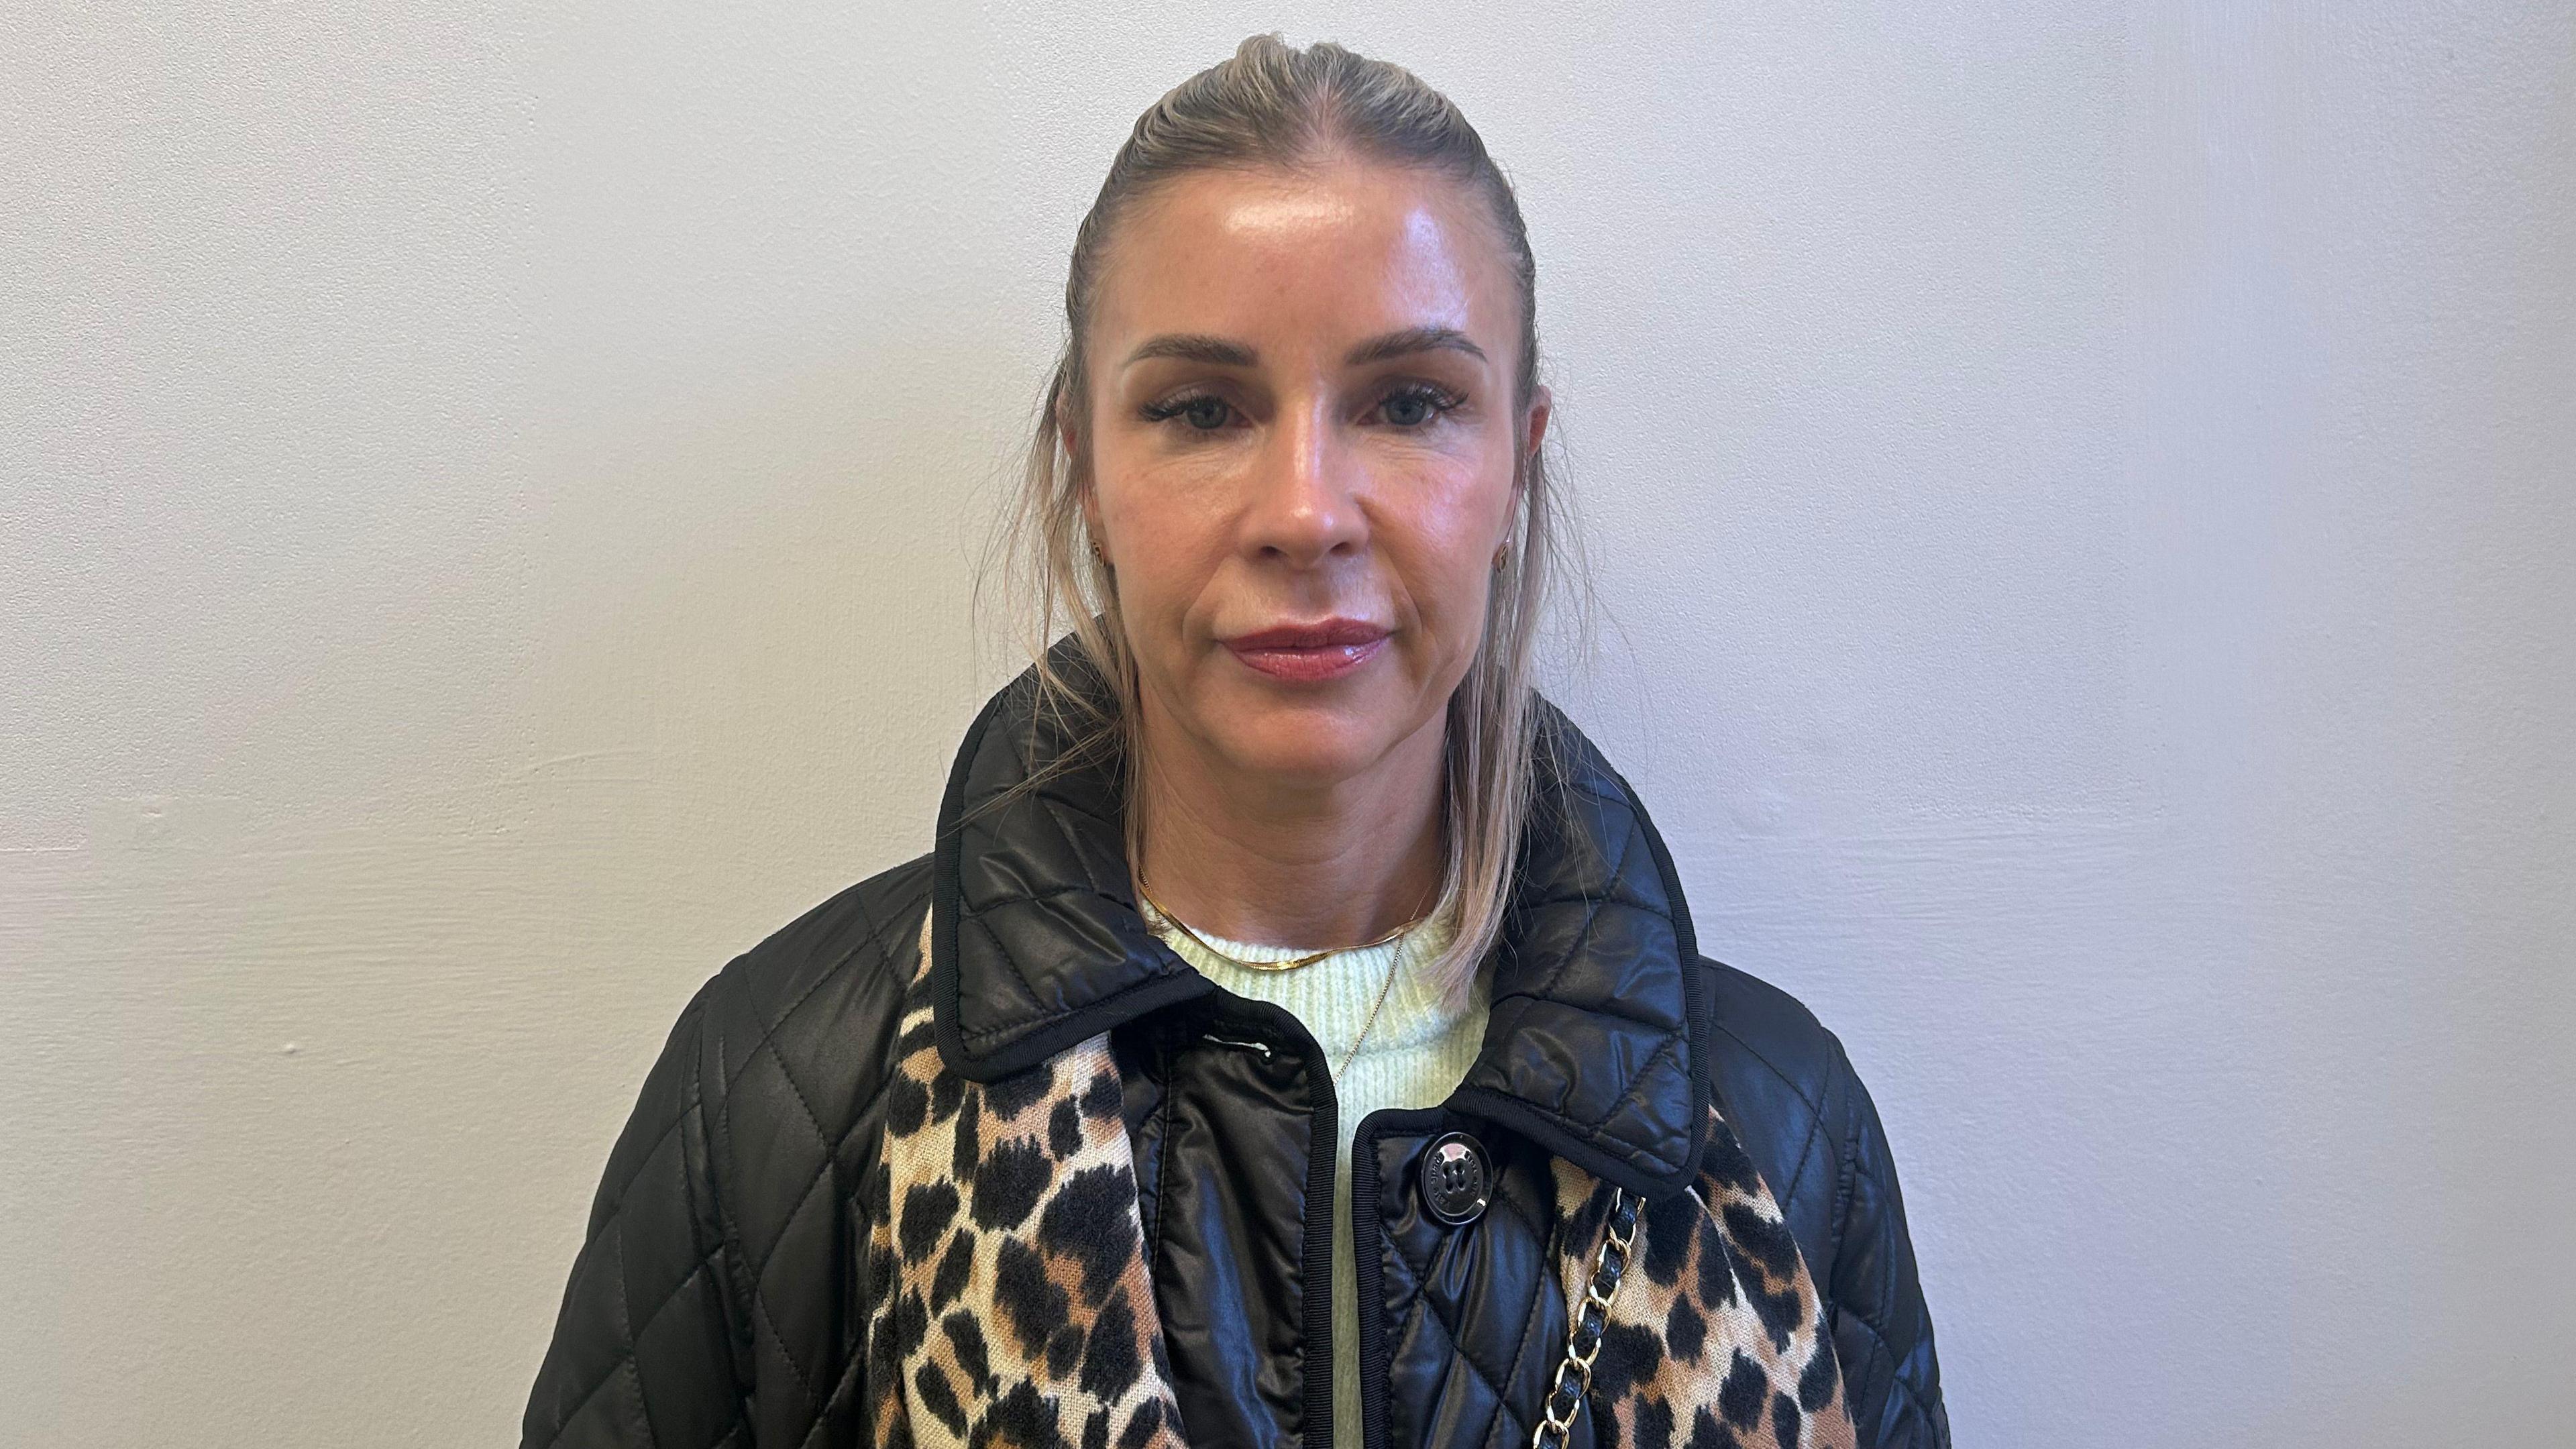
(1304, 507)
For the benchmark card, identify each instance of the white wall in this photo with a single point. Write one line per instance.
(485, 501)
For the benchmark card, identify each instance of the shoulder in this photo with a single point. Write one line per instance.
(800, 1026)
(1788, 1091)
(1767, 1039)
(769, 1080)
(1754, 1018)
(1805, 1118)
(851, 953)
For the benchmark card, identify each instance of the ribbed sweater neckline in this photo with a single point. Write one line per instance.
(1332, 997)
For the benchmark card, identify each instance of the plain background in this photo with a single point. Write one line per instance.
(2082, 493)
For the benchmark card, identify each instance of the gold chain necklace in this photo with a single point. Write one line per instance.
(1375, 1007)
(1309, 959)
(1383, 989)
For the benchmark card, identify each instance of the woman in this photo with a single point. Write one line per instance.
(1046, 1138)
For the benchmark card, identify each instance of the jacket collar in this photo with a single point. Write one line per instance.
(1597, 1043)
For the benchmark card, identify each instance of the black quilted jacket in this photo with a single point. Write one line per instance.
(717, 1301)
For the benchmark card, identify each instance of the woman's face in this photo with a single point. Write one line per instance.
(1301, 427)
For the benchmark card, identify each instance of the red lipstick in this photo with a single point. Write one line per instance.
(1310, 653)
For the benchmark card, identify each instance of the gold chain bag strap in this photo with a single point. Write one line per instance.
(1591, 1319)
(1692, 1313)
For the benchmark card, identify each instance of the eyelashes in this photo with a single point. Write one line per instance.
(1178, 404)
(1424, 403)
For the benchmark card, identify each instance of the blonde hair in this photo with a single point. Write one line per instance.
(1272, 105)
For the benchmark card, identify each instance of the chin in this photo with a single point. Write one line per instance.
(1299, 746)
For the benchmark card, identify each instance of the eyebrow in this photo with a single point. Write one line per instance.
(1219, 352)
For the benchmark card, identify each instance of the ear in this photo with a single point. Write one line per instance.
(1071, 438)
(1534, 427)
(1064, 427)
(1533, 431)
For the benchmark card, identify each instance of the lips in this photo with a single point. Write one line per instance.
(1310, 653)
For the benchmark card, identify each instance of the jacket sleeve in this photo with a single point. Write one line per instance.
(643, 1351)
(1882, 1330)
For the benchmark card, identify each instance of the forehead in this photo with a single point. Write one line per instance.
(1352, 249)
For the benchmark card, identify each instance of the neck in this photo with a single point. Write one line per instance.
(1262, 860)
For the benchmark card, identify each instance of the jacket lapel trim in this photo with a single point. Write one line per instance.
(1085, 961)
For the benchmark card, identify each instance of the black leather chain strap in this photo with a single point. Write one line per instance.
(1591, 1319)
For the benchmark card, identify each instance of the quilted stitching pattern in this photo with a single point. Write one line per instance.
(1427, 1313)
(689, 1323)
(1599, 910)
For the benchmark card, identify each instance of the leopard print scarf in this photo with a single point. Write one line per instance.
(1011, 1304)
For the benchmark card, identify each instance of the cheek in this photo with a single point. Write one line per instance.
(1149, 498)
(1448, 559)
(1164, 545)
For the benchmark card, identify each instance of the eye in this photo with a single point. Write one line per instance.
(1410, 408)
(1204, 412)
(1418, 404)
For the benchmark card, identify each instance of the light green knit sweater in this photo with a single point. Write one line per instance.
(1414, 1056)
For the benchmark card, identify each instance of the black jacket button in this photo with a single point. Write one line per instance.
(1455, 1179)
